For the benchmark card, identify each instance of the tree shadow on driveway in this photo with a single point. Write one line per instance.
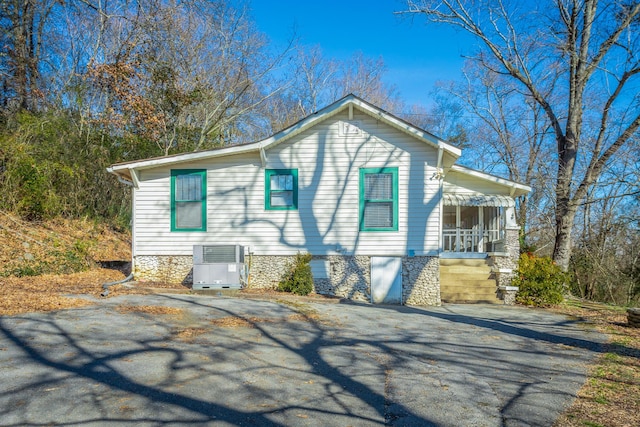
(355, 365)
(537, 325)
(536, 364)
(98, 366)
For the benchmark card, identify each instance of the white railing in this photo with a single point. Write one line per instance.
(471, 240)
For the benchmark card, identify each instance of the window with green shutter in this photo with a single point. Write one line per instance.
(281, 189)
(379, 199)
(189, 200)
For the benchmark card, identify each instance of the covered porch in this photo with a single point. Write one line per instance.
(479, 237)
(475, 224)
(479, 248)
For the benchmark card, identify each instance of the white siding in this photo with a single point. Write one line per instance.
(326, 221)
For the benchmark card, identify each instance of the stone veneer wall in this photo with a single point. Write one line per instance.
(349, 276)
(266, 271)
(164, 268)
(512, 244)
(512, 248)
(421, 280)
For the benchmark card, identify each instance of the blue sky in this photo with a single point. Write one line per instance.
(416, 54)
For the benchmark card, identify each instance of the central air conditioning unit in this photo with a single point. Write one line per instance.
(218, 267)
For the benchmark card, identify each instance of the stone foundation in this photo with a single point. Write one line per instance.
(349, 276)
(503, 269)
(163, 268)
(508, 294)
(421, 280)
(266, 271)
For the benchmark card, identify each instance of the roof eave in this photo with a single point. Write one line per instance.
(517, 188)
(122, 168)
(404, 126)
(453, 153)
(367, 108)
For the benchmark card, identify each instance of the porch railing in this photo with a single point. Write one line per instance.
(472, 240)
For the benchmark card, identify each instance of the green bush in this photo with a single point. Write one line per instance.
(540, 280)
(298, 279)
(54, 165)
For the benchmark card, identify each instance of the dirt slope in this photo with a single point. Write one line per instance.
(42, 262)
(57, 246)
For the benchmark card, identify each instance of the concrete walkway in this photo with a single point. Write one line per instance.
(227, 361)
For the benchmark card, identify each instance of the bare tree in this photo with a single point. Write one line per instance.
(363, 76)
(315, 80)
(579, 61)
(606, 257)
(186, 75)
(510, 134)
(22, 27)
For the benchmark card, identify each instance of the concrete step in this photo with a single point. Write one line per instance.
(469, 291)
(464, 262)
(465, 277)
(482, 290)
(467, 280)
(469, 284)
(470, 299)
(470, 296)
(465, 270)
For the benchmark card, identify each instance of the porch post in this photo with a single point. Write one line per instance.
(481, 228)
(458, 239)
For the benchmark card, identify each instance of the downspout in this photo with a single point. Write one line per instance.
(107, 285)
(440, 156)
(124, 181)
(263, 156)
(440, 176)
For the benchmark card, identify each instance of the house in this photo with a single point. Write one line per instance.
(381, 205)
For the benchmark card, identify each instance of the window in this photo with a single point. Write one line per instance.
(379, 199)
(189, 200)
(281, 189)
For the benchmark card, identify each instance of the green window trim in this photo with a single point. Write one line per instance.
(287, 191)
(189, 204)
(393, 200)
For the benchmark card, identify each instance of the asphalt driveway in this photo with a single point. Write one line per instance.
(225, 361)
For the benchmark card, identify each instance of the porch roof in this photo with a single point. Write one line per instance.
(494, 200)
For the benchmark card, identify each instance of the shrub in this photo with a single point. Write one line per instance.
(298, 279)
(540, 280)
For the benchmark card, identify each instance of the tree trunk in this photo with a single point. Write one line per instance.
(523, 216)
(565, 204)
(21, 17)
(564, 225)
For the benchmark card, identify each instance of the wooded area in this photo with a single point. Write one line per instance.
(551, 99)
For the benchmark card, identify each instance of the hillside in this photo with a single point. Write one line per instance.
(41, 262)
(58, 246)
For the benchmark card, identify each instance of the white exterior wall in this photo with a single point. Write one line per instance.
(326, 222)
